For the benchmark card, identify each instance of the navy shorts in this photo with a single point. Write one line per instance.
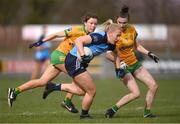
(73, 65)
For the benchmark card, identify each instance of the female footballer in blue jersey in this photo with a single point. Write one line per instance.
(99, 43)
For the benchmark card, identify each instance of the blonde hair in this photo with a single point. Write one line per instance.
(109, 25)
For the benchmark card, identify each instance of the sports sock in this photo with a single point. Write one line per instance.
(84, 112)
(67, 101)
(17, 91)
(147, 111)
(115, 108)
(56, 87)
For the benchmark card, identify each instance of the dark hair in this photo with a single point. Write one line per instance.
(87, 16)
(124, 13)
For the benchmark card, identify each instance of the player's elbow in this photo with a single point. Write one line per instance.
(109, 56)
(78, 41)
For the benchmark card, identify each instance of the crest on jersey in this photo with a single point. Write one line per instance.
(69, 29)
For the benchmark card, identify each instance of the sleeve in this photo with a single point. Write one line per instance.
(68, 32)
(97, 38)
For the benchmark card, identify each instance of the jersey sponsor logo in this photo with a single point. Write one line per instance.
(62, 58)
(78, 65)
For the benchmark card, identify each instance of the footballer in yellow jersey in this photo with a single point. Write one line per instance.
(58, 55)
(125, 46)
(71, 34)
(125, 49)
(57, 59)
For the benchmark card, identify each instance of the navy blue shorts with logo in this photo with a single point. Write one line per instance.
(73, 65)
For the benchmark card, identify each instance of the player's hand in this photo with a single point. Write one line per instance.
(36, 44)
(120, 72)
(153, 56)
(123, 65)
(85, 61)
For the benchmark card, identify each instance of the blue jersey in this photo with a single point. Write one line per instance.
(98, 45)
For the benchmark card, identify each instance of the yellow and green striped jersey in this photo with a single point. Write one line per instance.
(125, 46)
(71, 34)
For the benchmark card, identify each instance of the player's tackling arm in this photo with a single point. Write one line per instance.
(140, 48)
(79, 42)
(110, 55)
(55, 35)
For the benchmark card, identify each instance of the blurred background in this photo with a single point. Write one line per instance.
(21, 21)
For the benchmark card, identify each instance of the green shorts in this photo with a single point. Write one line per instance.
(57, 57)
(132, 68)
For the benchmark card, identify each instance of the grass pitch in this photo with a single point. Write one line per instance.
(30, 107)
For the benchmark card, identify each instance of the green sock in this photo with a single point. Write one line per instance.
(67, 101)
(17, 91)
(115, 108)
(147, 111)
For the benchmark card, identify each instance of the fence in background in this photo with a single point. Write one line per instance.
(15, 57)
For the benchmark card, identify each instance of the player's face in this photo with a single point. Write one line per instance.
(123, 22)
(90, 25)
(114, 36)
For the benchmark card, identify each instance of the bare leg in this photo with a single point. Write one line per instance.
(67, 102)
(143, 75)
(130, 83)
(69, 95)
(72, 89)
(49, 74)
(85, 81)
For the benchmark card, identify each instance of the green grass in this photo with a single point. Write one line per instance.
(30, 107)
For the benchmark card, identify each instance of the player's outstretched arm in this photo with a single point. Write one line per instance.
(53, 36)
(141, 49)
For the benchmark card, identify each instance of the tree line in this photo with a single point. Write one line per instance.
(19, 12)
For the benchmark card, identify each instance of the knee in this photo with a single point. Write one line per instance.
(136, 94)
(92, 92)
(81, 92)
(153, 87)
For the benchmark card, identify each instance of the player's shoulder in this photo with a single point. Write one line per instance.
(98, 37)
(78, 28)
(131, 28)
(100, 34)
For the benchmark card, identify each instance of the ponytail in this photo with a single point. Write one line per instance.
(124, 13)
(106, 24)
(109, 25)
